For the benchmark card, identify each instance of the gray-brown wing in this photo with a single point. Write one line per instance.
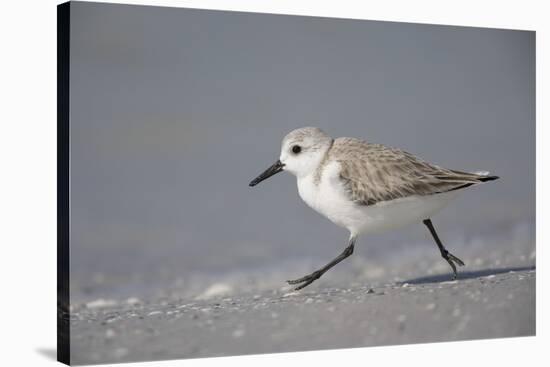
(374, 173)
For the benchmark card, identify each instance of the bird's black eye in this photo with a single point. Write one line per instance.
(296, 149)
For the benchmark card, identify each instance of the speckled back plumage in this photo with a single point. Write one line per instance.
(372, 173)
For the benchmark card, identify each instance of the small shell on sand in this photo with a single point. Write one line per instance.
(100, 303)
(215, 290)
(133, 301)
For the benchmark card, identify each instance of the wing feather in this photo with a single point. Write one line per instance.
(372, 173)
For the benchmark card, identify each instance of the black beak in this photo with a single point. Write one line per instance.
(276, 168)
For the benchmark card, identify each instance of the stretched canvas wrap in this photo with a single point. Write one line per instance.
(173, 244)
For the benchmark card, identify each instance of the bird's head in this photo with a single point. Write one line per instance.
(302, 150)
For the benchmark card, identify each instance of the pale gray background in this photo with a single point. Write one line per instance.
(174, 111)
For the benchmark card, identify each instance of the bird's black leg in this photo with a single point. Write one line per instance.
(451, 259)
(310, 278)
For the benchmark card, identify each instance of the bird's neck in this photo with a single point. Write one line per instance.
(322, 163)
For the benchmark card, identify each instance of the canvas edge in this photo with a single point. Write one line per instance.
(63, 82)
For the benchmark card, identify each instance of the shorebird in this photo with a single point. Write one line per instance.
(367, 187)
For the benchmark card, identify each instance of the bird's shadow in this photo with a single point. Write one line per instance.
(465, 275)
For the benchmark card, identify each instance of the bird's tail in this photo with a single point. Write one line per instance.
(484, 176)
(460, 179)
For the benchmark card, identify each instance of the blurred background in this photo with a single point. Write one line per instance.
(174, 111)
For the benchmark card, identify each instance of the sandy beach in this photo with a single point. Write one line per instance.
(399, 307)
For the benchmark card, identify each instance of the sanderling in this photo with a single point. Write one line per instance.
(367, 187)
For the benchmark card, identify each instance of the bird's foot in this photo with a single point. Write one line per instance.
(305, 280)
(452, 260)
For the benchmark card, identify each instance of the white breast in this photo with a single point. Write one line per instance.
(329, 198)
